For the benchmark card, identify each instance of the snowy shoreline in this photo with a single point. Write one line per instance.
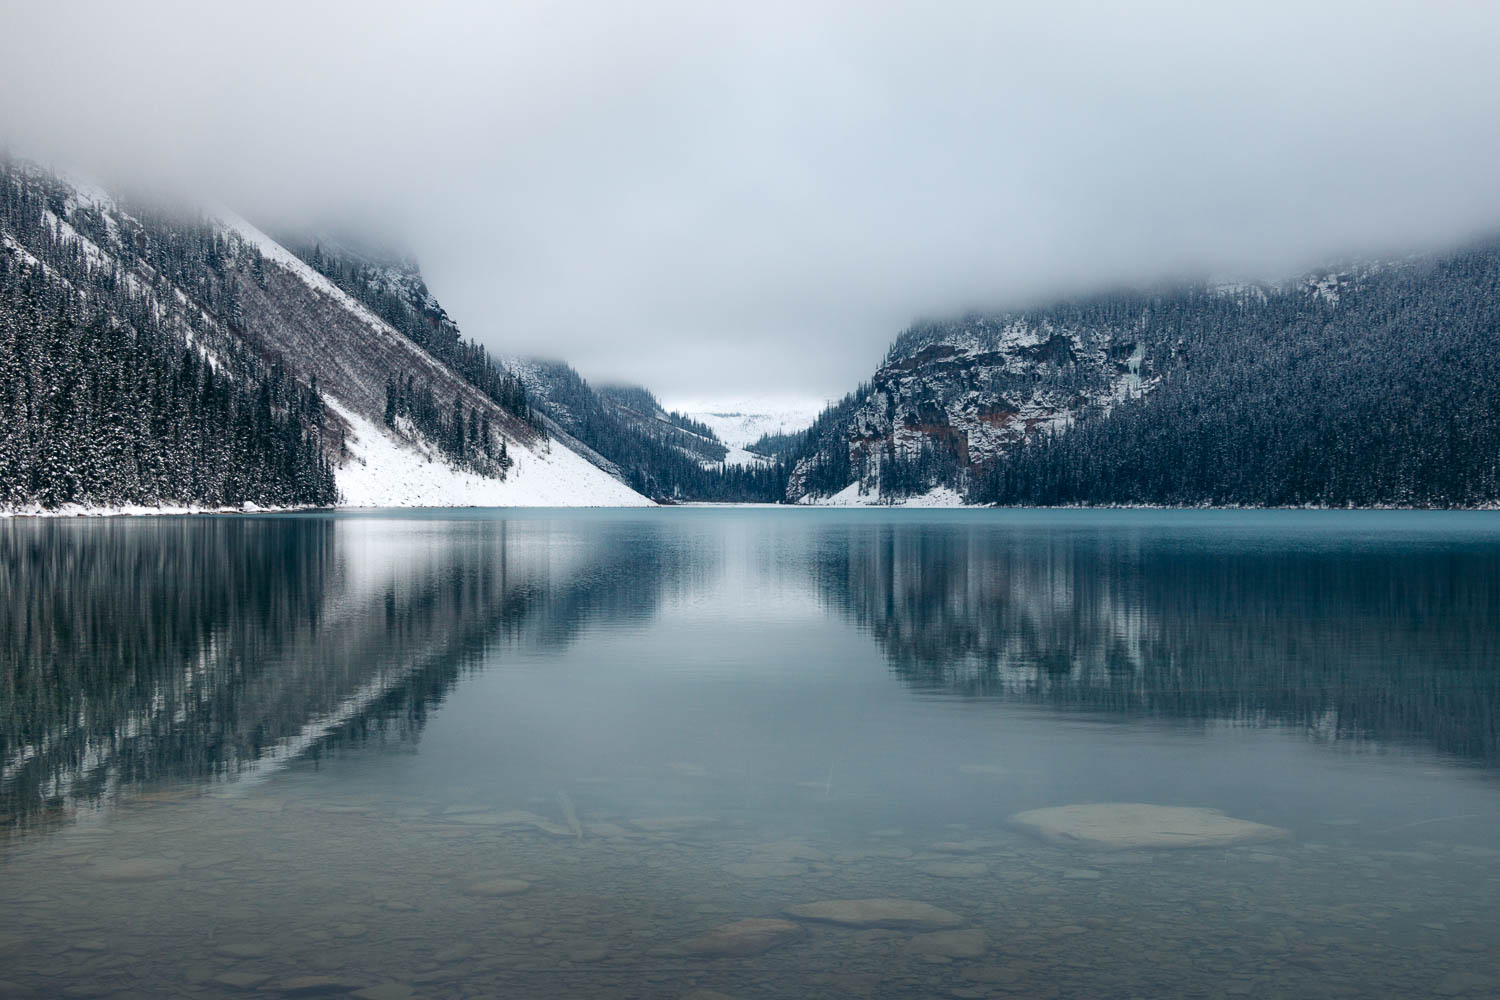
(143, 510)
(137, 510)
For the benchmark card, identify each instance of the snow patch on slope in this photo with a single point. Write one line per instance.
(853, 496)
(739, 456)
(384, 472)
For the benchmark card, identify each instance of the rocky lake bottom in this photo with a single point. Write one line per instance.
(732, 754)
(292, 890)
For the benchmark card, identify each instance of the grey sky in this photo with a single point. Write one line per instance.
(750, 197)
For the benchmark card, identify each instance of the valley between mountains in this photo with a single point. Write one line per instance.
(156, 358)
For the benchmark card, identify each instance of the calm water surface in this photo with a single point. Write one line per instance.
(542, 754)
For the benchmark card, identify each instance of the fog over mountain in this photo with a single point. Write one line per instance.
(732, 199)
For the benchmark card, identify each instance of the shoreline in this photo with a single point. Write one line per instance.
(137, 510)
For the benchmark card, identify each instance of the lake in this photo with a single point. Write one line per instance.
(655, 753)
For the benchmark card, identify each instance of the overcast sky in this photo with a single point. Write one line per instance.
(756, 197)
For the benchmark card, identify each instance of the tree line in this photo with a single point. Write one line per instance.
(463, 435)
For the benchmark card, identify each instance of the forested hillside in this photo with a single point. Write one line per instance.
(816, 458)
(109, 398)
(662, 455)
(1377, 384)
(1384, 389)
(393, 288)
(160, 358)
(153, 356)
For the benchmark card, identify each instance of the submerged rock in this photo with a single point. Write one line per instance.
(241, 980)
(603, 829)
(951, 944)
(670, 824)
(385, 991)
(589, 953)
(1136, 824)
(136, 869)
(745, 937)
(787, 850)
(962, 846)
(514, 818)
(454, 953)
(766, 869)
(243, 949)
(497, 887)
(876, 913)
(1457, 984)
(954, 869)
(312, 986)
(867, 853)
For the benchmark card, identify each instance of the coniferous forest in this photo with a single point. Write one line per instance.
(1377, 385)
(1389, 395)
(103, 405)
(665, 456)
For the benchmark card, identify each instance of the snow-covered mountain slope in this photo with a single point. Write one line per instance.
(384, 472)
(387, 467)
(742, 421)
(221, 286)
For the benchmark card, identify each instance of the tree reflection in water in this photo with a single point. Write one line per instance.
(147, 650)
(1354, 640)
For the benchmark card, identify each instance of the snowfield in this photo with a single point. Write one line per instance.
(742, 422)
(382, 472)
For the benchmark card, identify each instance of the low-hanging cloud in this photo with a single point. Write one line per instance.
(756, 197)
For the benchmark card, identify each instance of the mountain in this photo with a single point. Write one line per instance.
(626, 431)
(1372, 384)
(951, 397)
(151, 357)
(741, 422)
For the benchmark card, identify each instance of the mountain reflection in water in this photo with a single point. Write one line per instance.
(647, 753)
(148, 650)
(167, 649)
(1355, 638)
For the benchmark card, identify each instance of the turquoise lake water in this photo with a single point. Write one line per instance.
(557, 754)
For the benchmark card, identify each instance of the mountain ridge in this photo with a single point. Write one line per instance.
(1373, 384)
(217, 283)
(160, 360)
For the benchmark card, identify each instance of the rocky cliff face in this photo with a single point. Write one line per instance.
(953, 396)
(1371, 384)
